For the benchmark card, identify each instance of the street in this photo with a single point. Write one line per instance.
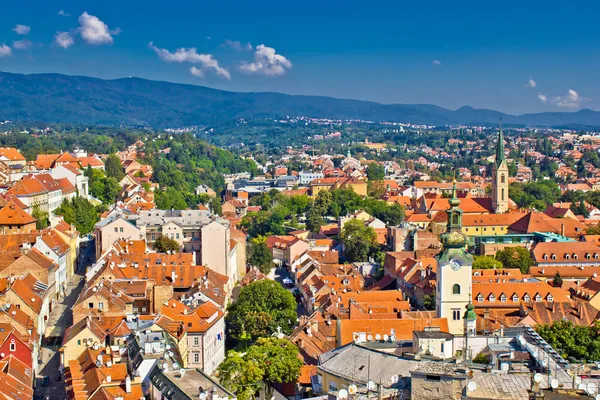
(60, 319)
(281, 273)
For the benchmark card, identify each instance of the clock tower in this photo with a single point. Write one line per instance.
(453, 281)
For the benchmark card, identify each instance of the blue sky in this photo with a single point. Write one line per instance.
(481, 54)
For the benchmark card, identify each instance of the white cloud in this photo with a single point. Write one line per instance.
(94, 31)
(64, 39)
(22, 29)
(543, 98)
(63, 14)
(267, 62)
(237, 45)
(5, 51)
(571, 100)
(531, 83)
(436, 62)
(181, 55)
(22, 44)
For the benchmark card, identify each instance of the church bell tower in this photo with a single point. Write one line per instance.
(500, 178)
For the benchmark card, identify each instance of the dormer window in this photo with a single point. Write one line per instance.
(538, 297)
(515, 298)
(550, 298)
(492, 298)
(346, 282)
(567, 256)
(588, 255)
(553, 256)
(575, 256)
(545, 256)
(480, 297)
(503, 298)
(526, 298)
(595, 256)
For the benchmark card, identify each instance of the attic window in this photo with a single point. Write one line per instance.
(567, 256)
(492, 298)
(538, 297)
(480, 297)
(550, 298)
(515, 298)
(545, 256)
(596, 256)
(526, 298)
(503, 298)
(553, 256)
(588, 255)
(575, 256)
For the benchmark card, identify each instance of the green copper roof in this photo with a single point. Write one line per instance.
(500, 148)
(470, 313)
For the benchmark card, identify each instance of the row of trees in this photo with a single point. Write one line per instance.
(510, 257)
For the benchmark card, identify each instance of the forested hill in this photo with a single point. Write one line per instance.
(140, 102)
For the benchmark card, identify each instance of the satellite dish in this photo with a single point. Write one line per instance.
(395, 379)
(378, 337)
(431, 350)
(352, 389)
(371, 385)
(554, 383)
(370, 337)
(203, 396)
(472, 386)
(577, 380)
(343, 394)
(385, 337)
(537, 377)
(591, 389)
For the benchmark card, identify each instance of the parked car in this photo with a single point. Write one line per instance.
(46, 381)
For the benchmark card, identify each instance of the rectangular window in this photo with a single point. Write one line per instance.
(456, 315)
(196, 358)
(116, 229)
(121, 229)
(78, 342)
(177, 235)
(13, 347)
(91, 305)
(196, 341)
(434, 378)
(100, 305)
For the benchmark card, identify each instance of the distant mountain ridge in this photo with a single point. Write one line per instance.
(141, 102)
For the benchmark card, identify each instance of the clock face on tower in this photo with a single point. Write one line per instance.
(455, 265)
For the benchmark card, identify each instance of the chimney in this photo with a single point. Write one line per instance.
(314, 325)
(128, 384)
(486, 314)
(562, 229)
(108, 379)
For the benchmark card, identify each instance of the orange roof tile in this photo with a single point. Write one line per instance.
(12, 214)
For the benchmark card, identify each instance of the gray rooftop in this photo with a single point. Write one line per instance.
(184, 218)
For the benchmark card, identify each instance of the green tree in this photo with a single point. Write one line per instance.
(111, 190)
(164, 243)
(280, 360)
(375, 172)
(41, 216)
(270, 361)
(557, 281)
(80, 212)
(576, 341)
(259, 255)
(515, 257)
(429, 301)
(359, 241)
(486, 262)
(481, 359)
(216, 206)
(241, 375)
(262, 308)
(314, 220)
(113, 167)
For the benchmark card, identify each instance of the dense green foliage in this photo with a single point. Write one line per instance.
(572, 341)
(105, 189)
(261, 309)
(269, 360)
(41, 216)
(164, 244)
(537, 195)
(259, 255)
(375, 172)
(360, 241)
(79, 212)
(113, 167)
(486, 262)
(515, 257)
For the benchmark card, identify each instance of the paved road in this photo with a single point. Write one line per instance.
(279, 274)
(60, 319)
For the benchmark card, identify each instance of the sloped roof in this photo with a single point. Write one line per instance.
(12, 214)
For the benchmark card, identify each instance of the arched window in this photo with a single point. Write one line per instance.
(502, 194)
(455, 219)
(456, 289)
(502, 179)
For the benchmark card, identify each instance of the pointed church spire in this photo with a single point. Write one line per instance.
(500, 146)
